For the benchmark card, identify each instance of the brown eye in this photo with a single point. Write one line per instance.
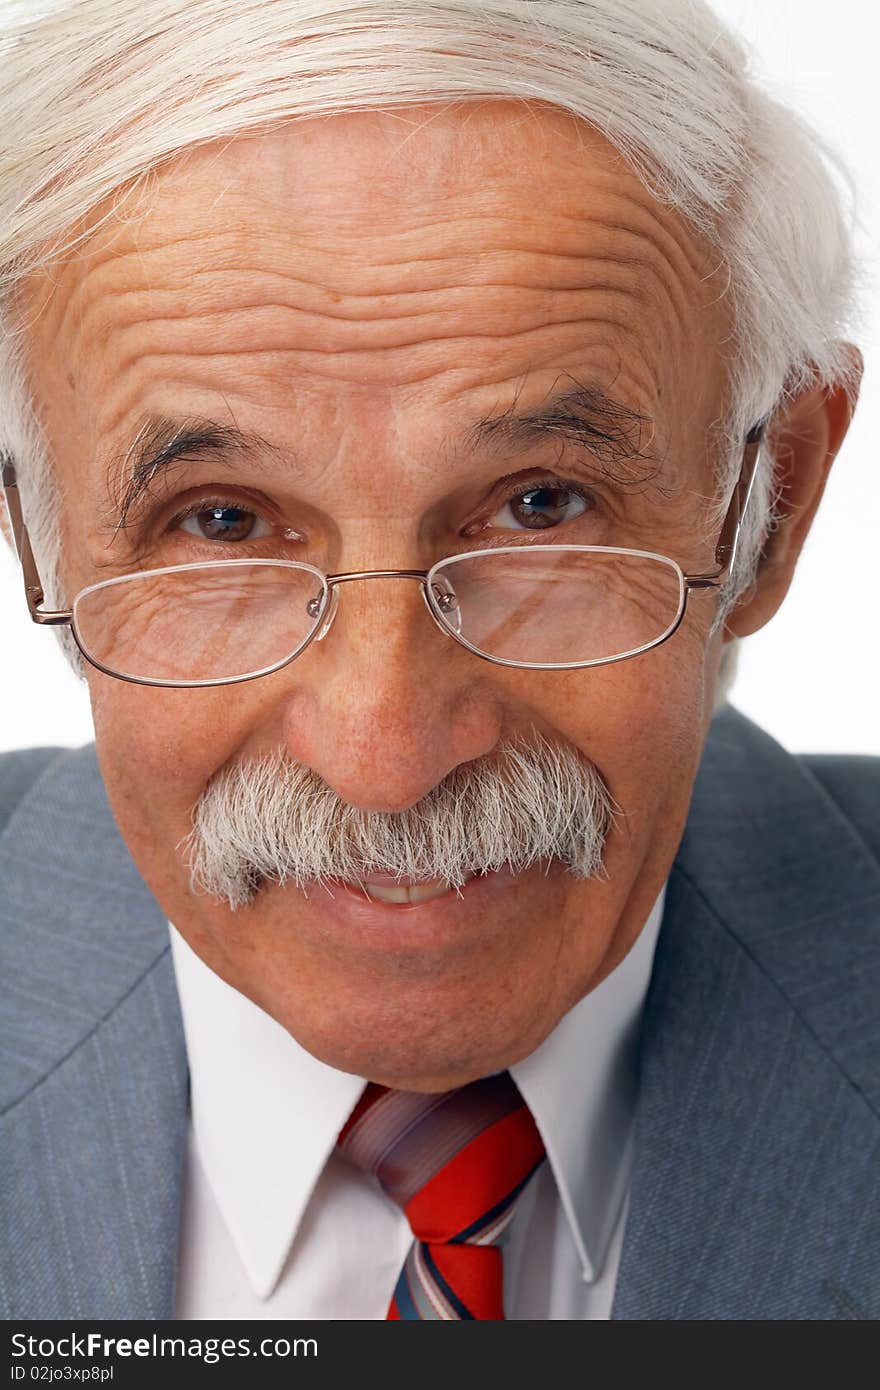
(540, 508)
(220, 523)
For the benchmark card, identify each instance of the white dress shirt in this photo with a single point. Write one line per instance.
(275, 1225)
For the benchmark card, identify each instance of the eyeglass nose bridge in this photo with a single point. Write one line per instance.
(334, 580)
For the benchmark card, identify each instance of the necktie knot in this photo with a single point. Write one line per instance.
(456, 1163)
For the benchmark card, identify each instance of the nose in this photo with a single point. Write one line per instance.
(386, 705)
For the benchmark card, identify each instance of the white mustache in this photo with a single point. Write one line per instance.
(274, 820)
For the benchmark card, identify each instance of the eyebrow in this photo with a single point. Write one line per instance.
(164, 440)
(585, 415)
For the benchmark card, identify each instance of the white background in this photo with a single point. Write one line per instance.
(810, 677)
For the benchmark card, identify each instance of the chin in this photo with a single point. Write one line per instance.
(420, 1038)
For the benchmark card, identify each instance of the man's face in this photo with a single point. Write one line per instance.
(359, 291)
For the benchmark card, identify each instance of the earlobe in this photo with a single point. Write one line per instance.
(759, 603)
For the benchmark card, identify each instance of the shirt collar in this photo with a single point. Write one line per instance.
(266, 1113)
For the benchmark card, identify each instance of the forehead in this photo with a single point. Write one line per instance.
(451, 248)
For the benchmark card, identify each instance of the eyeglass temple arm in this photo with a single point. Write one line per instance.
(33, 588)
(728, 541)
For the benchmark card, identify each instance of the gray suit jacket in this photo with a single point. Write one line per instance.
(755, 1192)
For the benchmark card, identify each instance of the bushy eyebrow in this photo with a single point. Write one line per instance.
(612, 432)
(586, 415)
(164, 440)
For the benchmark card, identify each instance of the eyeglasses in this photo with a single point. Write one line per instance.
(535, 605)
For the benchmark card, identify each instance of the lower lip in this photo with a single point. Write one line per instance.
(347, 910)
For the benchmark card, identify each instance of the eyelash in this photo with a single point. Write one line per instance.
(205, 504)
(516, 489)
(548, 480)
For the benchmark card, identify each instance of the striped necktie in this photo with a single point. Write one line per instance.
(456, 1163)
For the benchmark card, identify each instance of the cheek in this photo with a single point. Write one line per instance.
(641, 722)
(157, 749)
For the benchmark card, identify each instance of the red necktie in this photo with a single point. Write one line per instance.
(456, 1163)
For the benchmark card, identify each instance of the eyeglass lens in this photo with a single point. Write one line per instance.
(209, 622)
(535, 606)
(540, 606)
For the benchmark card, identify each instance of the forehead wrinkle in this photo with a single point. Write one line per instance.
(650, 228)
(337, 271)
(676, 295)
(604, 363)
(338, 276)
(98, 284)
(438, 267)
(528, 306)
(401, 365)
(262, 376)
(552, 189)
(254, 329)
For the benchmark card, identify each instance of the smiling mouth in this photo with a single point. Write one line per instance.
(391, 890)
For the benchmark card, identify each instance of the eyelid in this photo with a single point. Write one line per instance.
(510, 487)
(514, 487)
(538, 480)
(205, 503)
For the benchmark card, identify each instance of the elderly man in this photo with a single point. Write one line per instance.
(406, 409)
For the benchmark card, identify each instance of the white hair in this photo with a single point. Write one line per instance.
(98, 94)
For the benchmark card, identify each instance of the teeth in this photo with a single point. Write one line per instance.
(405, 892)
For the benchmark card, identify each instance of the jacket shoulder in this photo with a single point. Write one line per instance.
(852, 781)
(783, 848)
(19, 771)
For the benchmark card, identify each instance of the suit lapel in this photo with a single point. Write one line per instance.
(754, 1192)
(96, 1087)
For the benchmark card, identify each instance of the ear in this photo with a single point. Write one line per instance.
(804, 438)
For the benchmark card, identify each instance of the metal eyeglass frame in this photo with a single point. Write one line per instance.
(725, 555)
